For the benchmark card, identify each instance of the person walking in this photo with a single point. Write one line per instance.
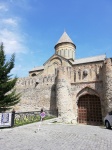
(42, 114)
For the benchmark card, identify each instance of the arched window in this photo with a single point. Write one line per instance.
(34, 74)
(60, 52)
(64, 52)
(72, 54)
(55, 67)
(68, 53)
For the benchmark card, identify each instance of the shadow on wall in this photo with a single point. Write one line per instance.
(103, 87)
(53, 107)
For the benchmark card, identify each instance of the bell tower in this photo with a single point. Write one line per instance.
(65, 47)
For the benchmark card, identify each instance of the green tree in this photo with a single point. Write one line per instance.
(8, 95)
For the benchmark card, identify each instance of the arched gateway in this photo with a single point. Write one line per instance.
(89, 110)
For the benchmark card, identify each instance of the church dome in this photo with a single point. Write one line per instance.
(64, 39)
(65, 47)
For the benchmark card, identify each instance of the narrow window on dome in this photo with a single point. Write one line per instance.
(65, 53)
(62, 52)
(55, 71)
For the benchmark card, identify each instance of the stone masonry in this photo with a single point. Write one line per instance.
(64, 97)
(63, 82)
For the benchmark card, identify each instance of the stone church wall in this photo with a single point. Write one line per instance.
(88, 79)
(93, 78)
(62, 80)
(88, 72)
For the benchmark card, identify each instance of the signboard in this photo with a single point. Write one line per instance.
(5, 119)
(42, 114)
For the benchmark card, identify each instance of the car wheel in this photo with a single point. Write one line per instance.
(107, 124)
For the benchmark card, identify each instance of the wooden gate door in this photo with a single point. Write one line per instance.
(89, 110)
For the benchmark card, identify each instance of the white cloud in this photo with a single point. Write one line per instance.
(10, 30)
(10, 21)
(12, 41)
(3, 7)
(12, 34)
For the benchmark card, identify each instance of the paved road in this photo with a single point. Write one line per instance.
(56, 137)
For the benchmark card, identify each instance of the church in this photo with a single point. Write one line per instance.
(80, 89)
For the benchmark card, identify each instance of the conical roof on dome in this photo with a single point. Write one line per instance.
(64, 38)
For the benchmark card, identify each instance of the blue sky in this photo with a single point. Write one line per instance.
(31, 28)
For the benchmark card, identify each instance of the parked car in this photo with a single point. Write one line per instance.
(108, 120)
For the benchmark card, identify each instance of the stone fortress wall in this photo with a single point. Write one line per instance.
(107, 84)
(36, 92)
(41, 91)
(62, 82)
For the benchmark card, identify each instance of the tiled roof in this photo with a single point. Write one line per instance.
(64, 38)
(90, 59)
(37, 68)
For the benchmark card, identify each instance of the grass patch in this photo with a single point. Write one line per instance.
(30, 119)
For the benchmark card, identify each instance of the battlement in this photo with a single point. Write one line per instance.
(33, 81)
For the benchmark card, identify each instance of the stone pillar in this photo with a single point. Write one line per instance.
(107, 84)
(64, 98)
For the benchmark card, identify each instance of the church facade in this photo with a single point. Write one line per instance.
(80, 89)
